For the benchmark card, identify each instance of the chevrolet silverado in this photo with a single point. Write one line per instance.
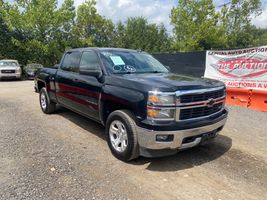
(146, 110)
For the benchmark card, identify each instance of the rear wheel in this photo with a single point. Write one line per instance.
(122, 136)
(46, 104)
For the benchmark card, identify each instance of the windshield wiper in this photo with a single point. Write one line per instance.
(156, 71)
(136, 72)
(124, 72)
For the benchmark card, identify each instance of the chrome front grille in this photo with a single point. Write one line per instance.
(199, 103)
(202, 97)
(7, 71)
(190, 113)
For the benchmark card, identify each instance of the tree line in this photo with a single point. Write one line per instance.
(39, 31)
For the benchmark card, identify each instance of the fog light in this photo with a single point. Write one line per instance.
(164, 138)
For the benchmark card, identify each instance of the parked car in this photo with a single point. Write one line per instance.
(31, 69)
(10, 69)
(146, 110)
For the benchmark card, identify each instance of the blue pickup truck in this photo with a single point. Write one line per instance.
(146, 110)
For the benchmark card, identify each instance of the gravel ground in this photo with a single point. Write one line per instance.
(65, 156)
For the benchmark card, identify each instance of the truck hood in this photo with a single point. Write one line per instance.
(166, 82)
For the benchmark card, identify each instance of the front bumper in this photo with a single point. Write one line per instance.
(10, 75)
(182, 139)
(30, 75)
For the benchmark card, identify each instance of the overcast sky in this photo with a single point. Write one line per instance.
(155, 11)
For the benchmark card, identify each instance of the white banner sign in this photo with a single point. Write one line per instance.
(245, 68)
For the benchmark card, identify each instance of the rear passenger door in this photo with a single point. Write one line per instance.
(67, 80)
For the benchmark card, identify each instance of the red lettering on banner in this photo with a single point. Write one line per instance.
(224, 66)
(244, 68)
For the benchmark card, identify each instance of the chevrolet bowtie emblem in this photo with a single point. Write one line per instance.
(210, 102)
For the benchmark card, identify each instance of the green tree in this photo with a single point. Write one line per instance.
(5, 39)
(164, 40)
(198, 26)
(194, 24)
(137, 33)
(92, 28)
(236, 21)
(119, 36)
(260, 36)
(46, 29)
(64, 35)
(8, 46)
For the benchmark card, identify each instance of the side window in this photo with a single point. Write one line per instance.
(71, 61)
(89, 61)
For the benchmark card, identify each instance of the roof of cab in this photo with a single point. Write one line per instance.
(102, 49)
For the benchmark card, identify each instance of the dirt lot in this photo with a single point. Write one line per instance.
(65, 156)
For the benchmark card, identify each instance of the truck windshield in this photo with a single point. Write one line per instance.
(7, 63)
(122, 62)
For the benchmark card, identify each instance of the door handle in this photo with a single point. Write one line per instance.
(75, 80)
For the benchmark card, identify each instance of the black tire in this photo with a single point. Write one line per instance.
(47, 106)
(127, 119)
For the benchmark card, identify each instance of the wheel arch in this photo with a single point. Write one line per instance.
(107, 107)
(40, 84)
(121, 98)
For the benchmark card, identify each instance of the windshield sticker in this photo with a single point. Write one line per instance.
(129, 68)
(117, 60)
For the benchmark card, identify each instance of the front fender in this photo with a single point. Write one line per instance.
(114, 98)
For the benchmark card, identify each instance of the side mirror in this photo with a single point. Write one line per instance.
(89, 71)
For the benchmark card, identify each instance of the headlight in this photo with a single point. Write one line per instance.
(161, 113)
(18, 70)
(161, 99)
(161, 106)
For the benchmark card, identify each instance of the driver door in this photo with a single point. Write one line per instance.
(89, 87)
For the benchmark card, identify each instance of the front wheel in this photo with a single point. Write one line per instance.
(122, 136)
(46, 104)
